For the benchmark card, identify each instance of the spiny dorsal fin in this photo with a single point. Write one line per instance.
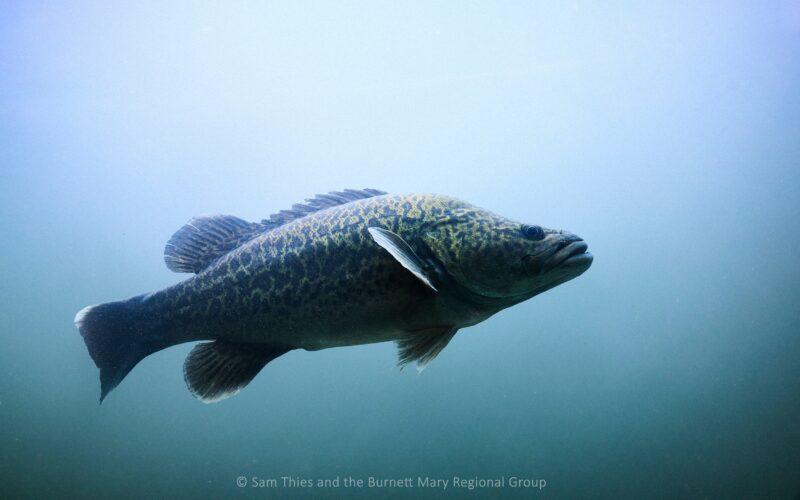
(214, 371)
(424, 345)
(319, 202)
(203, 240)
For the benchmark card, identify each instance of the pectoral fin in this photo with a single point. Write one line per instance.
(424, 345)
(402, 252)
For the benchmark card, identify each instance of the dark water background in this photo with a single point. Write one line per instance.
(666, 134)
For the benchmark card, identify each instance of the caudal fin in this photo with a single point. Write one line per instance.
(118, 336)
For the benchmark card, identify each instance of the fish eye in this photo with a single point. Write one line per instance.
(534, 233)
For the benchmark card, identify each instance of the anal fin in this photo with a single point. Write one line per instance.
(424, 345)
(214, 371)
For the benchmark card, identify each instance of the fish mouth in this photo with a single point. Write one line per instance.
(570, 255)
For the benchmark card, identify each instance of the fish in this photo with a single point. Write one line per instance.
(346, 268)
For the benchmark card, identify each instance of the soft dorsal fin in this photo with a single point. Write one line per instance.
(319, 202)
(203, 240)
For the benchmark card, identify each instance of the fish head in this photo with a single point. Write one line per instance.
(500, 259)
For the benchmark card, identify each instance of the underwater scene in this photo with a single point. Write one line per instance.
(365, 249)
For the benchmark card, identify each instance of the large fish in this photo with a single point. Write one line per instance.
(345, 268)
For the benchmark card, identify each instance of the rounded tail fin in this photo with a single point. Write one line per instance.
(117, 336)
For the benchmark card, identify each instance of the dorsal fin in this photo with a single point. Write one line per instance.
(203, 240)
(319, 202)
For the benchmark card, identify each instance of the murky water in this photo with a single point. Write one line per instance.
(668, 136)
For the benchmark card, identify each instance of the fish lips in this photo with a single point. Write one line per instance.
(574, 255)
(571, 256)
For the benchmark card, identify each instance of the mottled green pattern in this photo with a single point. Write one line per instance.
(322, 281)
(414, 269)
(317, 281)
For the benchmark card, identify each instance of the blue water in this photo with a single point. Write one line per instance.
(667, 135)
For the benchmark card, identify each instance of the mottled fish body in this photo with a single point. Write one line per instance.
(318, 281)
(346, 268)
